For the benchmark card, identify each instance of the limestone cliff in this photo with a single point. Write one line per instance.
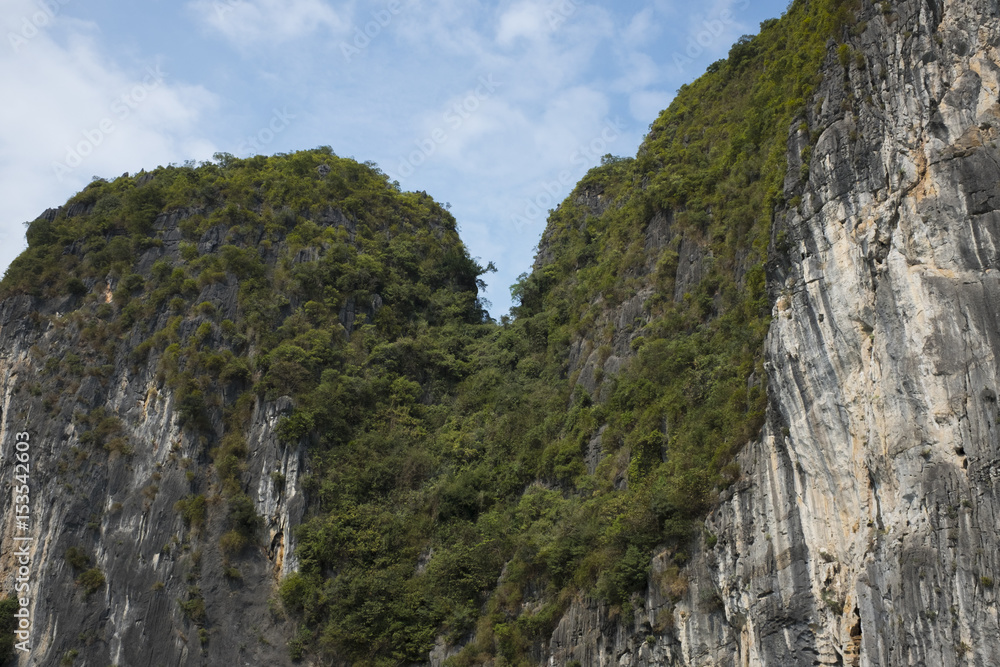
(137, 352)
(880, 462)
(118, 507)
(864, 528)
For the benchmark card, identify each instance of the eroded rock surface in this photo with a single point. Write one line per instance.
(864, 530)
(120, 509)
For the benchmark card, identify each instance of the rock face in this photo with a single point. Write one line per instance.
(864, 529)
(157, 346)
(868, 532)
(120, 511)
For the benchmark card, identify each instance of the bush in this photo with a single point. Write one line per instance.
(191, 408)
(206, 308)
(243, 516)
(77, 558)
(296, 591)
(203, 332)
(75, 287)
(131, 283)
(120, 446)
(236, 370)
(297, 645)
(192, 509)
(8, 624)
(194, 607)
(624, 575)
(232, 542)
(91, 581)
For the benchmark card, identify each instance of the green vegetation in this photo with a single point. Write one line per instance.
(192, 510)
(194, 606)
(103, 430)
(91, 581)
(8, 624)
(77, 558)
(448, 489)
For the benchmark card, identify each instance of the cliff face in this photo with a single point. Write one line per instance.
(141, 350)
(118, 506)
(863, 530)
(880, 498)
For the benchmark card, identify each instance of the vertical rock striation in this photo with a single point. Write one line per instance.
(120, 509)
(864, 532)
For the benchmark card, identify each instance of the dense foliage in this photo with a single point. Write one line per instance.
(448, 489)
(303, 275)
(8, 624)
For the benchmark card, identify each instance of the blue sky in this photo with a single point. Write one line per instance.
(495, 107)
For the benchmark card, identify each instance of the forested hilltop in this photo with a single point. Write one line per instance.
(331, 426)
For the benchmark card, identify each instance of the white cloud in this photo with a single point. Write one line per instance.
(638, 70)
(70, 114)
(435, 28)
(539, 51)
(641, 29)
(717, 27)
(524, 19)
(248, 23)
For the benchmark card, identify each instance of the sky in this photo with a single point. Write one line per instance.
(496, 108)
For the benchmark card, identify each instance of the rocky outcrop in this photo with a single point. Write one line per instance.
(877, 476)
(863, 530)
(117, 505)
